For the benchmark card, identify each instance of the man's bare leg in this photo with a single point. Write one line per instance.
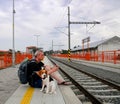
(54, 73)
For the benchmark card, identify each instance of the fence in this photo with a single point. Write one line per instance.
(104, 56)
(6, 59)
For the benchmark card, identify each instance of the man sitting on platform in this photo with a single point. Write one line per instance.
(33, 79)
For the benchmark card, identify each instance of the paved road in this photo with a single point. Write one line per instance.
(8, 83)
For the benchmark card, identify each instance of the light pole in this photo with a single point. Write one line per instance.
(13, 50)
(69, 46)
(37, 39)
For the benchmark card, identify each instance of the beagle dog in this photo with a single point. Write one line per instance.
(47, 82)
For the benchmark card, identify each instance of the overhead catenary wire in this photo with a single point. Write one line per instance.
(61, 18)
(59, 21)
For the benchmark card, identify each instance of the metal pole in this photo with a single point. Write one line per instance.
(37, 39)
(52, 45)
(13, 50)
(69, 33)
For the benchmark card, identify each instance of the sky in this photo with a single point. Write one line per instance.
(44, 23)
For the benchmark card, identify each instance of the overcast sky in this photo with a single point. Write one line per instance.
(48, 19)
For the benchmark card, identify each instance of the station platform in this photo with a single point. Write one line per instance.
(105, 66)
(24, 94)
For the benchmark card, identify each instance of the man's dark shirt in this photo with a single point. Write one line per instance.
(33, 66)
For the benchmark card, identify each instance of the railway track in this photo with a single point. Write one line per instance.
(88, 87)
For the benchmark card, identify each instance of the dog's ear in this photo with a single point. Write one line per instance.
(40, 73)
(46, 72)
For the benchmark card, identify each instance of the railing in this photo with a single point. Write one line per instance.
(104, 56)
(6, 59)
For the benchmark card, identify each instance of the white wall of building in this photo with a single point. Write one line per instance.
(109, 46)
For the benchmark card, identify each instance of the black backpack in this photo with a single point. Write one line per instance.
(22, 71)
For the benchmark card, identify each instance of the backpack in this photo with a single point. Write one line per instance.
(22, 71)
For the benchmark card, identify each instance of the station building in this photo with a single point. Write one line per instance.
(110, 44)
(32, 49)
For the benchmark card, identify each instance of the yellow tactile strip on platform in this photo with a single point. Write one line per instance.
(27, 96)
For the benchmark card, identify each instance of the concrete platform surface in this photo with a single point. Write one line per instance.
(24, 94)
